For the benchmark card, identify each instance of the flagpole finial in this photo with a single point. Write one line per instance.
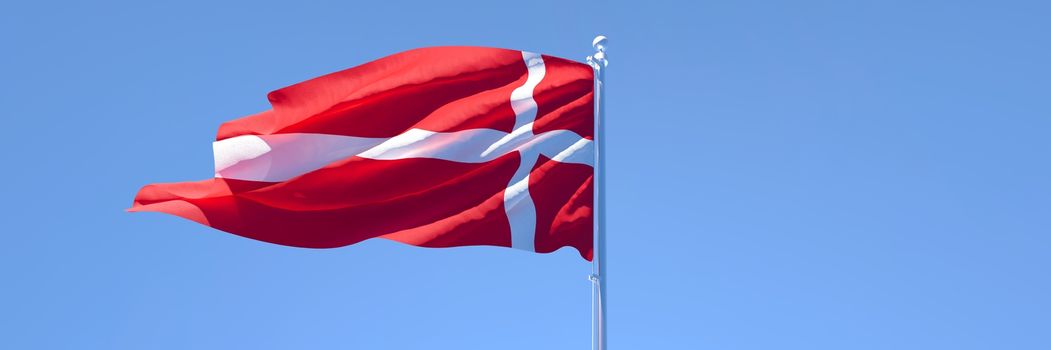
(600, 43)
(598, 60)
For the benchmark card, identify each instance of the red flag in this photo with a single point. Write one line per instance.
(434, 147)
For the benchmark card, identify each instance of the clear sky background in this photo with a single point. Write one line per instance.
(782, 175)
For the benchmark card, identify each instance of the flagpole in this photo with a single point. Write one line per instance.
(598, 277)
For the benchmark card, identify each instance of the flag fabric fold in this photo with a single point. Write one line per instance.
(434, 147)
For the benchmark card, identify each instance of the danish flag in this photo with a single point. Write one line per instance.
(433, 147)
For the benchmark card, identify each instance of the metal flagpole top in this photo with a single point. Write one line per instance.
(600, 49)
(598, 60)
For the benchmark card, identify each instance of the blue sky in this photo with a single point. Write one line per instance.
(804, 175)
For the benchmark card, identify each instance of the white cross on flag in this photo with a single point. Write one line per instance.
(434, 147)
